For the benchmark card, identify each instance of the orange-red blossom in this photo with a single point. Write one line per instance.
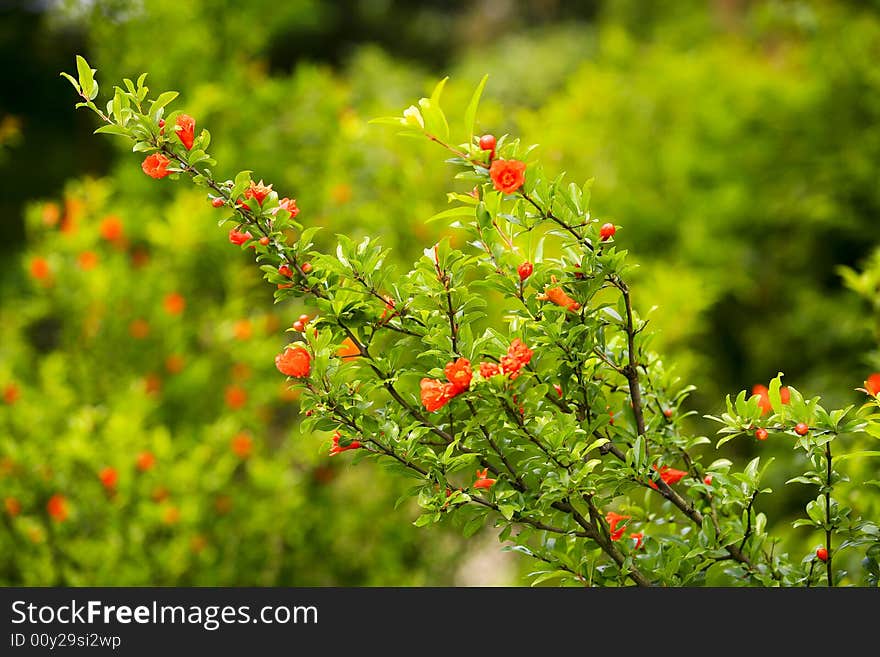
(338, 449)
(483, 480)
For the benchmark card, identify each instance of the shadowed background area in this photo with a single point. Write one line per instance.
(736, 143)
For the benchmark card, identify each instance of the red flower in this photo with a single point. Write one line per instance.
(40, 268)
(802, 429)
(235, 397)
(607, 231)
(109, 477)
(242, 444)
(87, 260)
(761, 434)
(669, 476)
(613, 519)
(257, 191)
(111, 228)
(294, 361)
(13, 506)
(822, 554)
(707, 480)
(518, 356)
(174, 303)
(763, 393)
(185, 129)
(508, 175)
(288, 204)
(489, 369)
(483, 480)
(558, 389)
(285, 271)
(525, 270)
(459, 375)
(11, 393)
(156, 165)
(338, 449)
(348, 349)
(640, 538)
(218, 202)
(435, 394)
(145, 461)
(239, 238)
(57, 507)
(558, 296)
(139, 329)
(872, 385)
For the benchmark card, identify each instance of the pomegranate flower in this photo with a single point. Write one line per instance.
(459, 375)
(295, 362)
(639, 538)
(669, 475)
(557, 295)
(872, 385)
(614, 519)
(483, 480)
(156, 165)
(186, 129)
(518, 356)
(238, 237)
(109, 477)
(288, 204)
(508, 175)
(338, 449)
(258, 191)
(435, 394)
(489, 369)
(763, 393)
(57, 508)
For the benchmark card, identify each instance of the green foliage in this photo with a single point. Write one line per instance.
(145, 335)
(577, 418)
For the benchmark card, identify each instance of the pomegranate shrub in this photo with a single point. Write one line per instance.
(561, 427)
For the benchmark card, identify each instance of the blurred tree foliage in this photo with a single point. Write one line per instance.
(736, 143)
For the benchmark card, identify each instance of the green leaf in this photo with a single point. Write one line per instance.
(852, 455)
(438, 90)
(544, 575)
(70, 79)
(162, 101)
(86, 78)
(775, 397)
(242, 180)
(459, 211)
(435, 120)
(388, 120)
(470, 114)
(709, 529)
(112, 129)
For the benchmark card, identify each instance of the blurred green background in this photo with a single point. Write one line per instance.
(737, 144)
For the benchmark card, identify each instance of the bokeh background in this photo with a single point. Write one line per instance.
(737, 143)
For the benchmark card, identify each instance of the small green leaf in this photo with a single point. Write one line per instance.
(112, 129)
(853, 455)
(459, 211)
(70, 79)
(86, 78)
(470, 114)
(162, 101)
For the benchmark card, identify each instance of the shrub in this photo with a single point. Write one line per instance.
(561, 425)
